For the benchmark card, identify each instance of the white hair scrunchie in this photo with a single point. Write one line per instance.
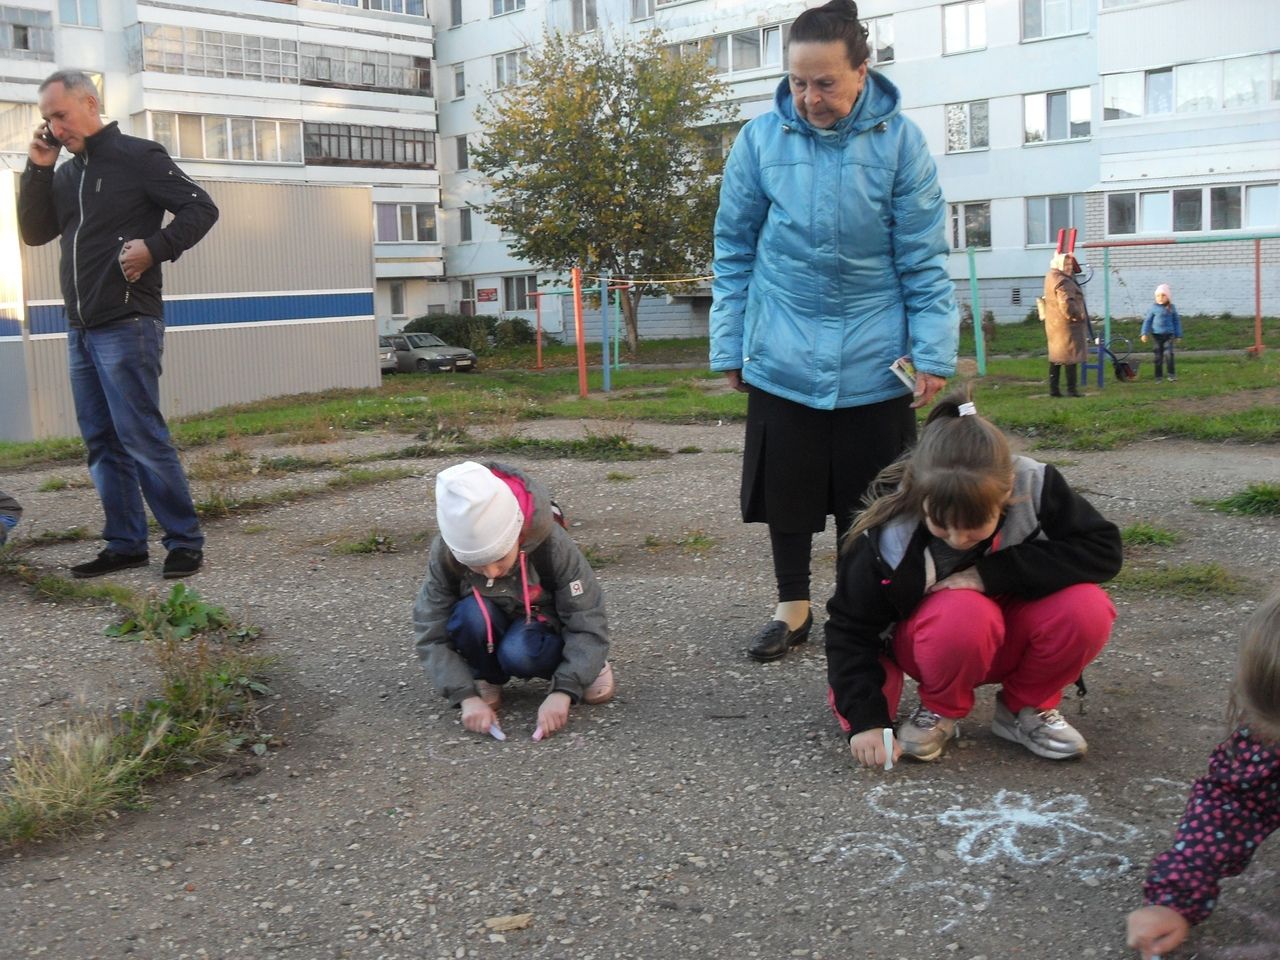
(967, 409)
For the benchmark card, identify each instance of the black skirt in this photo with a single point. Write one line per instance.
(802, 465)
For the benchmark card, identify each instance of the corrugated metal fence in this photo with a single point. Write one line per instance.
(277, 299)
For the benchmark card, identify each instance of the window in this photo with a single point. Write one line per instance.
(415, 8)
(1238, 83)
(880, 39)
(733, 52)
(1188, 210)
(459, 82)
(26, 34)
(584, 16)
(499, 7)
(1154, 212)
(212, 53)
(82, 13)
(243, 139)
(641, 9)
(1052, 18)
(516, 291)
(1224, 208)
(405, 222)
(1262, 205)
(325, 65)
(1047, 215)
(964, 26)
(509, 68)
(460, 157)
(467, 302)
(1122, 213)
(967, 126)
(17, 120)
(396, 290)
(1061, 115)
(350, 145)
(455, 13)
(464, 229)
(971, 225)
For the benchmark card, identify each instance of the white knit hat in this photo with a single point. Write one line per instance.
(478, 514)
(1164, 288)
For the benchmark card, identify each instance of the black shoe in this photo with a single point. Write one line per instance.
(775, 640)
(182, 562)
(108, 561)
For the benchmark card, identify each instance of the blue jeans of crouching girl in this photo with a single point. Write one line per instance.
(520, 649)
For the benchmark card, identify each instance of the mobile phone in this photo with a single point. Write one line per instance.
(47, 136)
(905, 371)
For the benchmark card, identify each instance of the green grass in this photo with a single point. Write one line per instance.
(52, 484)
(695, 541)
(91, 764)
(376, 541)
(1216, 399)
(219, 504)
(1200, 332)
(1147, 535)
(1257, 500)
(614, 476)
(1192, 580)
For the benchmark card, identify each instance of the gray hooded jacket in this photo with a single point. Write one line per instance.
(551, 579)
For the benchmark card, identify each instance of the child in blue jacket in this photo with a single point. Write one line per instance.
(1163, 323)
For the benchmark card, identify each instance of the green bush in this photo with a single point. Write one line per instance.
(513, 332)
(455, 329)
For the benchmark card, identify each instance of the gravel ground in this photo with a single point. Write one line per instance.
(711, 809)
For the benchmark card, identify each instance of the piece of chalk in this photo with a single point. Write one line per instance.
(537, 734)
(495, 731)
(888, 748)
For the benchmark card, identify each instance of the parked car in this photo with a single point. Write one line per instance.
(387, 355)
(427, 353)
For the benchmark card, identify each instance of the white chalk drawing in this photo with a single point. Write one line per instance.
(1015, 827)
(883, 865)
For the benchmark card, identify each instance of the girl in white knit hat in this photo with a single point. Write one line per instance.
(1163, 323)
(508, 594)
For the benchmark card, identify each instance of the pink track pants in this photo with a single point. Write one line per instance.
(957, 640)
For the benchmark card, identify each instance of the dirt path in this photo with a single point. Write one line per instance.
(711, 809)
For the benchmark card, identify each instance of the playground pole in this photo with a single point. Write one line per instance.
(1256, 349)
(604, 328)
(537, 307)
(979, 347)
(577, 329)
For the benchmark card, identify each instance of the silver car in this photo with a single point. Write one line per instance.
(387, 356)
(427, 353)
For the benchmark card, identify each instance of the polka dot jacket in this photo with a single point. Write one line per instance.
(1231, 811)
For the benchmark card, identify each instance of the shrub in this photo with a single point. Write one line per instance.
(513, 332)
(455, 329)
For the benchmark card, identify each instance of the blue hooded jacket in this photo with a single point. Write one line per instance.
(830, 255)
(1162, 318)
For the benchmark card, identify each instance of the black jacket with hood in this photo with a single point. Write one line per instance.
(117, 189)
(1050, 538)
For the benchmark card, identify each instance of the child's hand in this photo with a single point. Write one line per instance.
(967, 579)
(867, 748)
(553, 714)
(1154, 931)
(477, 716)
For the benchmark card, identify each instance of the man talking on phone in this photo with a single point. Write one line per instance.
(107, 203)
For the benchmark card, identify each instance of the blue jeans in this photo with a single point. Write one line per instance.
(115, 380)
(519, 649)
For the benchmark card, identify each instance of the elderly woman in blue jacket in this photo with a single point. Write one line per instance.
(830, 264)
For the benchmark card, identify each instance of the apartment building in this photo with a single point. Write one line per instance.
(336, 92)
(1123, 119)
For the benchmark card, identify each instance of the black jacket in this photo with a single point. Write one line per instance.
(118, 189)
(1050, 538)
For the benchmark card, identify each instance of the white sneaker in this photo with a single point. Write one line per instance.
(925, 734)
(1043, 732)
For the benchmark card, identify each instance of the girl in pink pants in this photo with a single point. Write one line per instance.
(969, 566)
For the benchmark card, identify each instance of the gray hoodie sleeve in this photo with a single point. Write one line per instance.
(439, 592)
(579, 603)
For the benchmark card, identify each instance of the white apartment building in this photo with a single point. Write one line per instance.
(1126, 119)
(312, 91)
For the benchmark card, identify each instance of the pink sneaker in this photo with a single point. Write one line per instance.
(490, 693)
(602, 687)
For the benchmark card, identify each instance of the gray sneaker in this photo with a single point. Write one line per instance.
(1043, 732)
(924, 734)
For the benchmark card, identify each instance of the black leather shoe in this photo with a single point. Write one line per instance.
(775, 640)
(182, 562)
(108, 561)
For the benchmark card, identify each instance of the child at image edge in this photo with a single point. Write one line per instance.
(10, 512)
(1163, 323)
(1231, 810)
(508, 594)
(970, 566)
